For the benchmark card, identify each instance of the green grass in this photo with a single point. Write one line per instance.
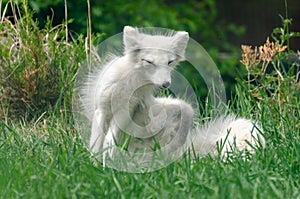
(43, 156)
(46, 159)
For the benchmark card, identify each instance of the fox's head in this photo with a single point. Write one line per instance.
(156, 55)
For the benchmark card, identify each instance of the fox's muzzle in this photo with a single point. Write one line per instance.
(166, 85)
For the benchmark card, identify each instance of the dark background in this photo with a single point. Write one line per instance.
(220, 26)
(255, 19)
(260, 17)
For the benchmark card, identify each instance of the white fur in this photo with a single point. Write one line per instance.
(231, 133)
(121, 97)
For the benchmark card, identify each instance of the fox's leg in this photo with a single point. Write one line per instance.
(109, 142)
(178, 122)
(97, 132)
(158, 117)
(118, 123)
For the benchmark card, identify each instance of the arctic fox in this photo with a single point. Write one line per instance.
(119, 99)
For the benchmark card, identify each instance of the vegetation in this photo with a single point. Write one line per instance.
(42, 155)
(199, 18)
(37, 65)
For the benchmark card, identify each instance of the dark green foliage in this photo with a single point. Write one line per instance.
(199, 18)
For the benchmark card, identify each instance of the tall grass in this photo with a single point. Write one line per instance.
(45, 157)
(48, 160)
(37, 65)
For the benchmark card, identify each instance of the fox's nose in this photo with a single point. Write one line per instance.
(166, 84)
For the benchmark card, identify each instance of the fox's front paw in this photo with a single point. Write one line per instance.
(158, 117)
(108, 145)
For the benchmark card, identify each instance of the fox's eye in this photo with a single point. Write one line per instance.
(148, 61)
(170, 62)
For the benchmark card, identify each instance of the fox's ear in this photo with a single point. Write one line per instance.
(130, 39)
(180, 39)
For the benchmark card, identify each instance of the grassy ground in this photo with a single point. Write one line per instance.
(46, 159)
(43, 156)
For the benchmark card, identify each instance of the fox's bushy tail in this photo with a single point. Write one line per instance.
(226, 134)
